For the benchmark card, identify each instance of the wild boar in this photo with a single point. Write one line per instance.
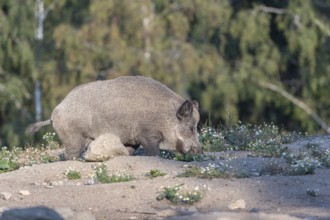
(139, 110)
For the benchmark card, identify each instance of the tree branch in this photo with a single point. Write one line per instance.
(50, 7)
(297, 102)
(272, 10)
(322, 27)
(296, 18)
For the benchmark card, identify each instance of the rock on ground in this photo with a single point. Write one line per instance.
(44, 213)
(5, 195)
(235, 216)
(105, 147)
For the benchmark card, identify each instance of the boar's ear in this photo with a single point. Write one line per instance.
(195, 104)
(185, 110)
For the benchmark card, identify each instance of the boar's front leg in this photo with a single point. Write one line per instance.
(150, 141)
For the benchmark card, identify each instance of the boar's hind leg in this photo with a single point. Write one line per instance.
(150, 142)
(74, 148)
(74, 145)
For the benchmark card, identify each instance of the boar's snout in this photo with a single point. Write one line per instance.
(193, 149)
(196, 150)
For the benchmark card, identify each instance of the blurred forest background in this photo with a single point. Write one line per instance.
(250, 60)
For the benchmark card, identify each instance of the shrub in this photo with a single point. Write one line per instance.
(264, 140)
(50, 140)
(102, 176)
(313, 192)
(8, 160)
(178, 196)
(72, 174)
(155, 173)
(211, 139)
(303, 166)
(189, 157)
(209, 172)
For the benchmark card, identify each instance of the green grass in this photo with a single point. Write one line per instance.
(73, 174)
(155, 173)
(182, 197)
(208, 172)
(262, 140)
(8, 160)
(102, 176)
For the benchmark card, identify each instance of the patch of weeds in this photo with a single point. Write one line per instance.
(50, 140)
(209, 172)
(33, 155)
(304, 166)
(212, 140)
(72, 174)
(155, 173)
(177, 195)
(12, 159)
(313, 192)
(189, 157)
(102, 176)
(289, 137)
(191, 172)
(166, 154)
(45, 158)
(271, 148)
(312, 146)
(267, 141)
(239, 136)
(325, 158)
(322, 155)
(8, 160)
(263, 140)
(243, 174)
(272, 167)
(301, 164)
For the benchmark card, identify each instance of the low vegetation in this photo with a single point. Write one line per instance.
(260, 140)
(102, 176)
(180, 195)
(313, 192)
(209, 172)
(155, 173)
(265, 141)
(12, 159)
(71, 173)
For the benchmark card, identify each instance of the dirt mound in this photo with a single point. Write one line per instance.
(47, 185)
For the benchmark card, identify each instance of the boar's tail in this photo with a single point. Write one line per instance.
(33, 128)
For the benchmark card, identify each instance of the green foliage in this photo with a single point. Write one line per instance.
(176, 196)
(167, 154)
(303, 167)
(214, 52)
(263, 140)
(209, 172)
(102, 176)
(50, 140)
(313, 192)
(8, 160)
(155, 173)
(322, 155)
(189, 157)
(72, 174)
(212, 140)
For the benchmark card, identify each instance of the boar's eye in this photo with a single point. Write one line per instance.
(192, 129)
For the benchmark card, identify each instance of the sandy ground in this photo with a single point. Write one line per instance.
(48, 186)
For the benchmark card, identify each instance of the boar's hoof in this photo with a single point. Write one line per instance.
(105, 147)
